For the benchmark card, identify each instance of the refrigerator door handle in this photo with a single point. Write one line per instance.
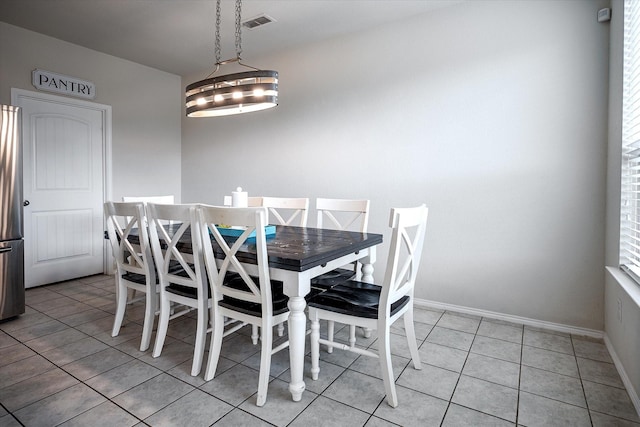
(9, 249)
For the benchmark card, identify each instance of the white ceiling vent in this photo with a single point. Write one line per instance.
(258, 21)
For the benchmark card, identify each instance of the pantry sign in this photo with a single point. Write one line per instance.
(53, 82)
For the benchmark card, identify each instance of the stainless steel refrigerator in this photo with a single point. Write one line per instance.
(11, 228)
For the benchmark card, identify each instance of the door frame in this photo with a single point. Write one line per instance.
(105, 111)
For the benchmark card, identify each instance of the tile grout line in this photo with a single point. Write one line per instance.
(520, 376)
(584, 393)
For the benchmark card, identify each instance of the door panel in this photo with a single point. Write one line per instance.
(62, 235)
(63, 181)
(62, 148)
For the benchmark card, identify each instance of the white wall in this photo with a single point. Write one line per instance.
(493, 113)
(146, 105)
(622, 296)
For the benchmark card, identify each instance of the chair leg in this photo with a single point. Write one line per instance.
(411, 338)
(201, 337)
(163, 324)
(214, 348)
(121, 305)
(384, 351)
(255, 334)
(330, 332)
(315, 346)
(265, 363)
(149, 317)
(352, 336)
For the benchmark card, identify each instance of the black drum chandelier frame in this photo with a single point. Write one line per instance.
(232, 93)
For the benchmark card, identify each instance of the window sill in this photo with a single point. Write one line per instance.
(627, 283)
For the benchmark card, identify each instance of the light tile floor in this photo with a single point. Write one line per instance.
(59, 365)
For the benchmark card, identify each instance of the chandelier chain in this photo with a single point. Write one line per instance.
(217, 47)
(238, 28)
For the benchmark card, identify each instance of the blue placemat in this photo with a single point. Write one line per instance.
(270, 230)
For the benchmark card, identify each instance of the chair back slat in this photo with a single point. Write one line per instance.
(288, 210)
(169, 226)
(122, 220)
(405, 252)
(343, 214)
(253, 221)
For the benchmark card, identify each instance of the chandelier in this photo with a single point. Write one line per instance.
(232, 93)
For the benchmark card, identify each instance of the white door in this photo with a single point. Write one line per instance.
(64, 143)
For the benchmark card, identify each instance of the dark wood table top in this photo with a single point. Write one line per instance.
(300, 248)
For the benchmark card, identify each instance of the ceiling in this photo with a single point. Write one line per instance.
(178, 36)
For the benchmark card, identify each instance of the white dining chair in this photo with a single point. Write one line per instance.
(377, 307)
(181, 271)
(348, 215)
(167, 199)
(252, 201)
(287, 210)
(283, 211)
(134, 264)
(240, 291)
(340, 214)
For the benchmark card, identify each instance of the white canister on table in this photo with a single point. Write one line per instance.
(239, 198)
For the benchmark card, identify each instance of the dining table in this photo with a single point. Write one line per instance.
(297, 255)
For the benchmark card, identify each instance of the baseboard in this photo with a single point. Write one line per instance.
(510, 318)
(633, 395)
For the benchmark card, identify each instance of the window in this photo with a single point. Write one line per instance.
(630, 190)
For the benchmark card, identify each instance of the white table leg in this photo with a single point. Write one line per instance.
(367, 265)
(367, 273)
(297, 331)
(367, 276)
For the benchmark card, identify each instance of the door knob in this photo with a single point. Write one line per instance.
(26, 203)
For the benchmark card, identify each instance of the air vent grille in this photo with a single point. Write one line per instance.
(258, 21)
